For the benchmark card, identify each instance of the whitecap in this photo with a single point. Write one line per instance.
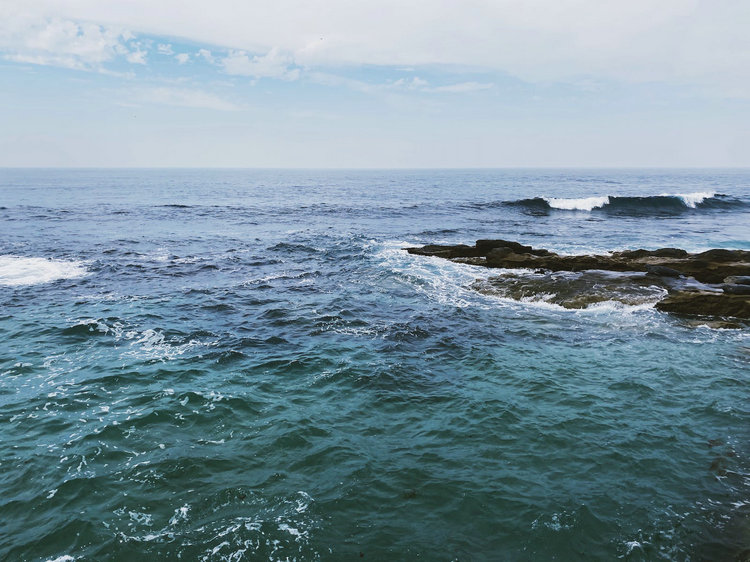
(691, 199)
(18, 270)
(445, 281)
(583, 204)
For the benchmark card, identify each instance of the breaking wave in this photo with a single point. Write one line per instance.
(665, 203)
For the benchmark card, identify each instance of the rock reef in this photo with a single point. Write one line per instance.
(714, 283)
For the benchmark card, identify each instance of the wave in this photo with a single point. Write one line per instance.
(18, 270)
(665, 203)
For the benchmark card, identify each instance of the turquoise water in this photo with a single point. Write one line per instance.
(246, 365)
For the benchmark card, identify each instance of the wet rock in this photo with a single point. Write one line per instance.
(663, 271)
(711, 266)
(736, 289)
(719, 255)
(448, 252)
(573, 290)
(669, 253)
(660, 253)
(669, 268)
(485, 246)
(706, 303)
(498, 253)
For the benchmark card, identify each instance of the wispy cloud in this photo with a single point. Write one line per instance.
(182, 97)
(404, 85)
(273, 64)
(462, 87)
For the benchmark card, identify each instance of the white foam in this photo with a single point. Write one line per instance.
(444, 281)
(180, 514)
(153, 345)
(16, 271)
(692, 199)
(583, 204)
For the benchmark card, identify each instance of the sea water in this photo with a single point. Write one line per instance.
(247, 365)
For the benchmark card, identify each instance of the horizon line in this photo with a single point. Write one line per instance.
(375, 168)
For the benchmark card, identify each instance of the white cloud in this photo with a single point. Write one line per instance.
(273, 64)
(164, 49)
(182, 97)
(60, 42)
(138, 56)
(696, 42)
(65, 43)
(182, 58)
(206, 54)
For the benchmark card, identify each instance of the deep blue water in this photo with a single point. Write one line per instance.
(246, 365)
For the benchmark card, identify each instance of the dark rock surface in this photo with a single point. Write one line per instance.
(726, 273)
(706, 303)
(736, 289)
(662, 271)
(738, 280)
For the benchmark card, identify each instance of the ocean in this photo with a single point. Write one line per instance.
(246, 365)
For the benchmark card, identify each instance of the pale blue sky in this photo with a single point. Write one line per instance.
(374, 84)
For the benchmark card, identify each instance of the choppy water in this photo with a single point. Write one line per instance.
(245, 365)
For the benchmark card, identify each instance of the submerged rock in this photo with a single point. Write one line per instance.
(672, 273)
(574, 290)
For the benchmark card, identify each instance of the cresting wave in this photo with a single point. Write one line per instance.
(668, 203)
(17, 271)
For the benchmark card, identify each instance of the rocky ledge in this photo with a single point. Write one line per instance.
(713, 283)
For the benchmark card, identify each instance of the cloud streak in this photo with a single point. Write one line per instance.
(273, 64)
(182, 97)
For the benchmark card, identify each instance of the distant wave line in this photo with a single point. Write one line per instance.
(666, 202)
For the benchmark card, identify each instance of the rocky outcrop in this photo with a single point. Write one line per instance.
(711, 283)
(706, 303)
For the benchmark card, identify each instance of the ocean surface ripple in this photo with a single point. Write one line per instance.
(244, 365)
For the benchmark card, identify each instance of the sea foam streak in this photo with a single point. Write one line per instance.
(18, 270)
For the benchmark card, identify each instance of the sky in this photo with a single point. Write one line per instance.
(375, 84)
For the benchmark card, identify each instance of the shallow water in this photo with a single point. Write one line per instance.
(241, 365)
